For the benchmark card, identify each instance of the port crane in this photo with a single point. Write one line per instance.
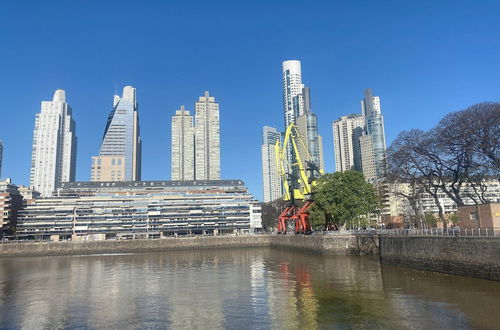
(297, 186)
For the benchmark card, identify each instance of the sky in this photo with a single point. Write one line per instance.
(422, 58)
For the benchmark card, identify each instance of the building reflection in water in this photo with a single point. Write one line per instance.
(236, 288)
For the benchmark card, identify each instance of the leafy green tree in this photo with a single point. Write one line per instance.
(343, 199)
(454, 218)
(430, 219)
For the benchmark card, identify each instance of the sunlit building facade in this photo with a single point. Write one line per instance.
(53, 154)
(120, 153)
(182, 145)
(146, 209)
(271, 179)
(346, 133)
(373, 146)
(207, 139)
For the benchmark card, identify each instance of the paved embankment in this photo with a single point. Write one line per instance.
(328, 244)
(467, 256)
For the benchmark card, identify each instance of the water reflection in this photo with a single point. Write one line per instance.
(256, 288)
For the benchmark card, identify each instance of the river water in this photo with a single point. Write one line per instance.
(237, 289)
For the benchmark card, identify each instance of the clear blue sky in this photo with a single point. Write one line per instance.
(423, 58)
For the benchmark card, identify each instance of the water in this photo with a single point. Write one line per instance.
(237, 289)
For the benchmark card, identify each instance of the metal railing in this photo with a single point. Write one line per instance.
(474, 232)
(455, 231)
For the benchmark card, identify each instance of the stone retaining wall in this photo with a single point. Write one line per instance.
(328, 244)
(467, 256)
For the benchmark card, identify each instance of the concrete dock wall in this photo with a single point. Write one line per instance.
(328, 244)
(467, 256)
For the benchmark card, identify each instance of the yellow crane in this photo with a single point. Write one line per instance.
(296, 184)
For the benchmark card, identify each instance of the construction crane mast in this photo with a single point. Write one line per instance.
(297, 185)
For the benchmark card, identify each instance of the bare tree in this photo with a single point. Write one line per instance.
(460, 152)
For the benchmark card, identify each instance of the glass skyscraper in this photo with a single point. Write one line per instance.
(373, 147)
(120, 154)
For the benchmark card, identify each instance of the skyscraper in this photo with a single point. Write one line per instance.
(297, 110)
(346, 133)
(307, 125)
(207, 139)
(182, 145)
(373, 147)
(120, 154)
(53, 155)
(293, 100)
(1, 154)
(271, 179)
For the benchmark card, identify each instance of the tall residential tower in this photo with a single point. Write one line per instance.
(182, 145)
(120, 154)
(346, 133)
(293, 100)
(271, 180)
(53, 154)
(373, 147)
(207, 139)
(297, 110)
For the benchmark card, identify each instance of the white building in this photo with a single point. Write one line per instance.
(271, 180)
(182, 145)
(293, 100)
(346, 133)
(297, 110)
(207, 139)
(53, 158)
(396, 205)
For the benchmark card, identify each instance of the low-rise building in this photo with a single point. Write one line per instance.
(397, 212)
(141, 209)
(10, 202)
(480, 216)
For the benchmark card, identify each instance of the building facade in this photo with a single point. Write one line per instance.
(346, 133)
(293, 99)
(182, 145)
(373, 146)
(53, 157)
(120, 153)
(297, 110)
(10, 202)
(207, 139)
(397, 211)
(271, 179)
(146, 209)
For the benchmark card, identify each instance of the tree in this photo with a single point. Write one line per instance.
(413, 158)
(342, 198)
(270, 213)
(431, 220)
(456, 155)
